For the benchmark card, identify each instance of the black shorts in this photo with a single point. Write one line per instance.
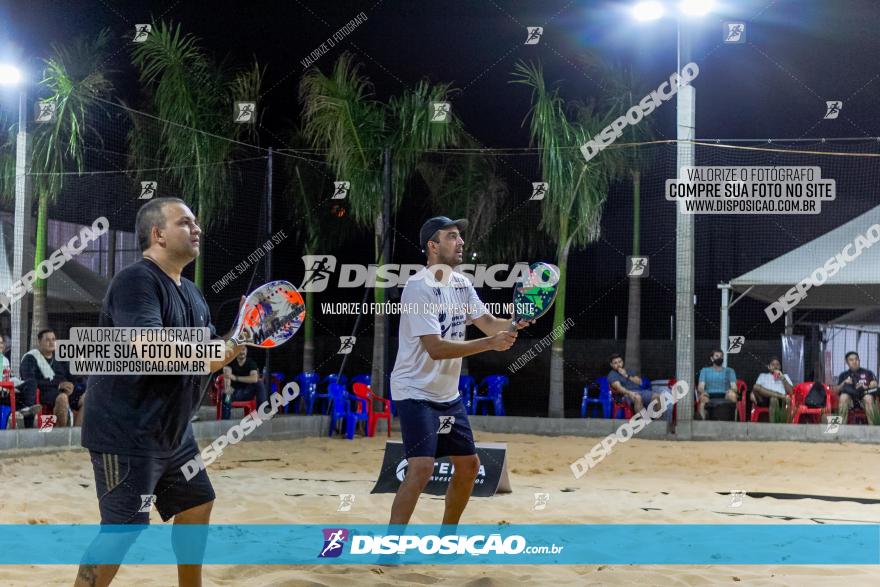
(433, 429)
(857, 395)
(127, 485)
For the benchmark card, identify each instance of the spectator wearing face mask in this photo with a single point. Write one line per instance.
(717, 387)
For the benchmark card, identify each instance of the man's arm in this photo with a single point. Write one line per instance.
(251, 377)
(439, 349)
(491, 325)
(28, 375)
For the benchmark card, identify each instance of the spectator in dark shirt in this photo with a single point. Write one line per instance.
(241, 378)
(856, 387)
(39, 369)
(628, 386)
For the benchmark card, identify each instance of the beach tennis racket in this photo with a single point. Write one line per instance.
(269, 316)
(534, 293)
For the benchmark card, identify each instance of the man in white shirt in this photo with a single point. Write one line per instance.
(436, 306)
(773, 386)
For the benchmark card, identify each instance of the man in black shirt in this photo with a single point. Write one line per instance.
(40, 370)
(856, 386)
(242, 381)
(137, 427)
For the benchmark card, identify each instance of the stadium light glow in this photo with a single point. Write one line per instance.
(696, 7)
(9, 75)
(645, 11)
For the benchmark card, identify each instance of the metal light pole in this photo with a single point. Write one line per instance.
(24, 225)
(684, 234)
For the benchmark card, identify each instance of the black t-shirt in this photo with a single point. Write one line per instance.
(863, 376)
(33, 379)
(243, 370)
(145, 415)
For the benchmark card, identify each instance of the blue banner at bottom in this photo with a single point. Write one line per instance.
(611, 544)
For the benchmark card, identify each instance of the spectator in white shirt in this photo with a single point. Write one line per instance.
(772, 386)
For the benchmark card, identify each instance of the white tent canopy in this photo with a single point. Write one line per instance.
(857, 285)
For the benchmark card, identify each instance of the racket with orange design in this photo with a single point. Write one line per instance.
(269, 316)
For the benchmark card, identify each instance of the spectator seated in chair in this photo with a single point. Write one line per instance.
(627, 386)
(39, 369)
(773, 386)
(717, 389)
(856, 387)
(242, 380)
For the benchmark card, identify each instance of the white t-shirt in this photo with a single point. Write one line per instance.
(430, 307)
(767, 381)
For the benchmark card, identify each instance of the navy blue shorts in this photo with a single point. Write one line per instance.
(126, 485)
(434, 429)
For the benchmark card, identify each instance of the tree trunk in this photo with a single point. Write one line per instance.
(40, 314)
(632, 354)
(309, 335)
(556, 408)
(111, 254)
(377, 374)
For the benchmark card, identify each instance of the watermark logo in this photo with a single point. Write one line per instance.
(440, 111)
(47, 423)
(735, 344)
(736, 497)
(817, 278)
(541, 500)
(319, 268)
(637, 267)
(244, 265)
(340, 190)
(539, 190)
(346, 500)
(331, 41)
(148, 190)
(76, 245)
(346, 345)
(147, 502)
(630, 428)
(539, 346)
(245, 112)
(646, 106)
(45, 111)
(533, 34)
(832, 109)
(834, 423)
(446, 423)
(334, 540)
(237, 433)
(142, 32)
(734, 32)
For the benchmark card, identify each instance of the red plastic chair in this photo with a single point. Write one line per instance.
(249, 405)
(799, 408)
(743, 390)
(363, 390)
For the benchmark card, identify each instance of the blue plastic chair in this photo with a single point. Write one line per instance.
(604, 402)
(308, 389)
(494, 385)
(467, 387)
(340, 409)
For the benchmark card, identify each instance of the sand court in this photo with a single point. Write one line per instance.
(642, 481)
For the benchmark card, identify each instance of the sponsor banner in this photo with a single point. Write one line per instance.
(593, 544)
(491, 478)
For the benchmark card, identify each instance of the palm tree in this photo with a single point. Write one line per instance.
(76, 78)
(572, 209)
(194, 98)
(621, 88)
(341, 116)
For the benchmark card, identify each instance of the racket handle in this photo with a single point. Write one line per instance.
(512, 326)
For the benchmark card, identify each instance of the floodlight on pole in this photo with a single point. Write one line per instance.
(645, 11)
(695, 7)
(9, 75)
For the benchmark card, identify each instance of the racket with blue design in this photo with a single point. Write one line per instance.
(534, 293)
